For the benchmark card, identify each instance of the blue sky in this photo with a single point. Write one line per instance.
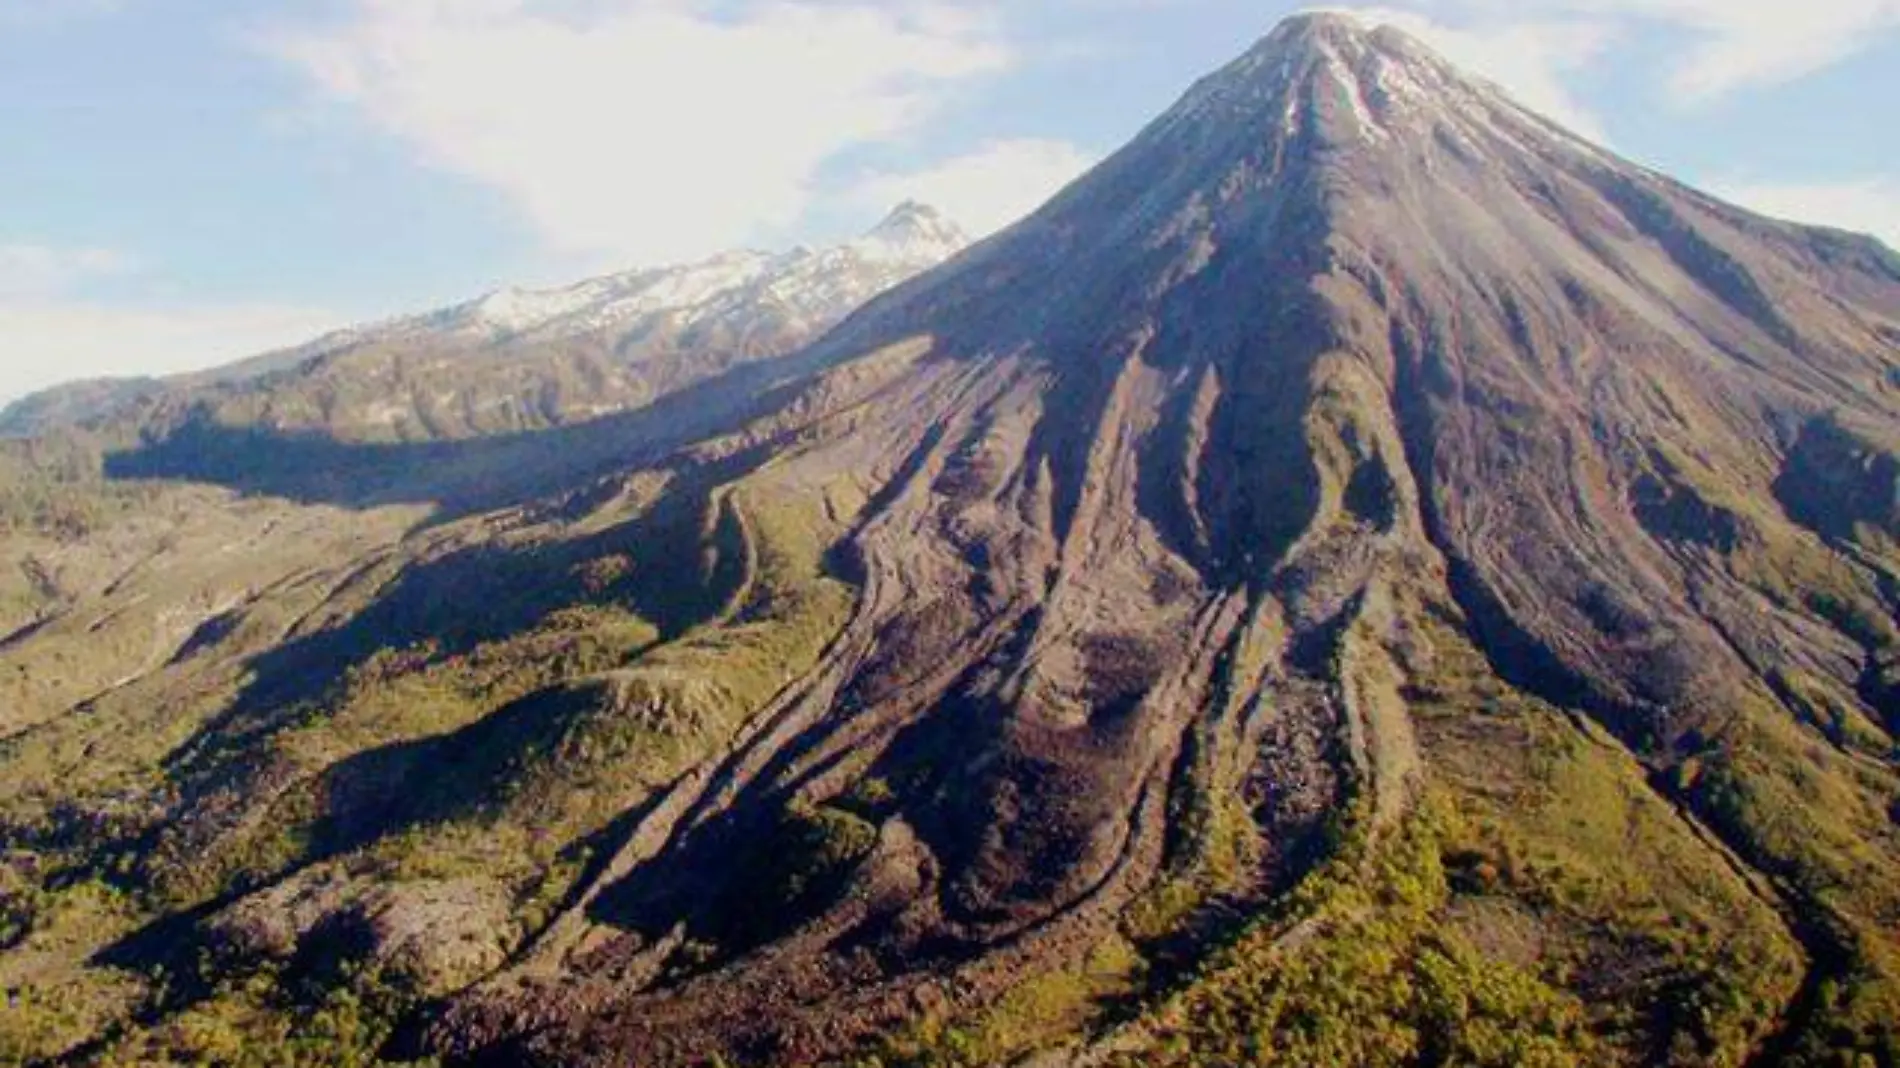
(183, 182)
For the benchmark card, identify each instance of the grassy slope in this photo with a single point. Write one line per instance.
(596, 708)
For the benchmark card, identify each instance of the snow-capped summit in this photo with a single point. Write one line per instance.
(809, 286)
(912, 232)
(602, 302)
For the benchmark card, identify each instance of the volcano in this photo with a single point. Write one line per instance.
(1200, 508)
(1362, 577)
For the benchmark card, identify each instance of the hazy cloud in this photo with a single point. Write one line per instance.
(30, 271)
(1732, 44)
(1738, 43)
(644, 130)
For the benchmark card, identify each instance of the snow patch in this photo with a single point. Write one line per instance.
(734, 289)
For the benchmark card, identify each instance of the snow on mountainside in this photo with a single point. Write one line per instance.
(811, 286)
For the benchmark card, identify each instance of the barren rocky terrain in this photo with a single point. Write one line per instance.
(1364, 578)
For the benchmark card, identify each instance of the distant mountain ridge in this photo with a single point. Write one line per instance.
(811, 285)
(519, 359)
(72, 404)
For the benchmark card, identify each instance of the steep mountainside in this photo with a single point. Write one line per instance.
(1362, 578)
(520, 360)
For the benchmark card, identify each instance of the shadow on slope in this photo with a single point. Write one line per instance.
(460, 478)
(436, 611)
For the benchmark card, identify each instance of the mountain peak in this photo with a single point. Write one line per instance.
(911, 211)
(1344, 81)
(912, 231)
(1319, 21)
(1341, 35)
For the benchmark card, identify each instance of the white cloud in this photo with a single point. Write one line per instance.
(645, 130)
(985, 190)
(1870, 205)
(1739, 43)
(1733, 44)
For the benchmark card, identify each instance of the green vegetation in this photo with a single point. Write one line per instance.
(500, 760)
(1797, 810)
(49, 1000)
(1541, 905)
(1537, 897)
(269, 1019)
(1045, 1012)
(385, 701)
(53, 489)
(398, 699)
(536, 741)
(806, 861)
(659, 714)
(1554, 816)
(1356, 972)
